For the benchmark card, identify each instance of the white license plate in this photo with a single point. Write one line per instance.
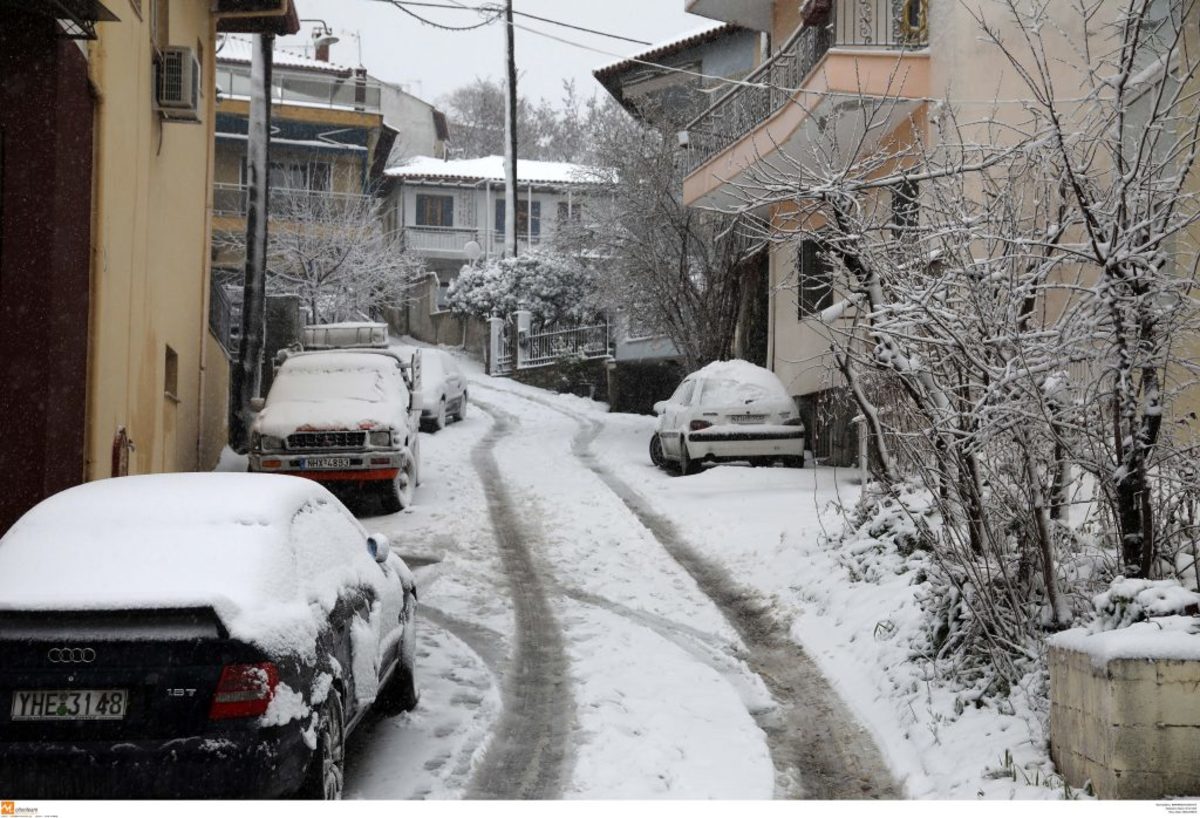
(747, 419)
(325, 463)
(69, 705)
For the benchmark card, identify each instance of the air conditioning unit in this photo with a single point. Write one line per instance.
(177, 84)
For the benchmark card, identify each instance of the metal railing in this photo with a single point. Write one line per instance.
(892, 24)
(544, 348)
(220, 316)
(440, 239)
(233, 200)
(355, 93)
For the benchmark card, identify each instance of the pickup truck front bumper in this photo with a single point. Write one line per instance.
(332, 467)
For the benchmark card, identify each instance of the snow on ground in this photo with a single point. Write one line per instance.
(768, 527)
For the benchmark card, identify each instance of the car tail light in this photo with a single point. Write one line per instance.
(697, 425)
(244, 691)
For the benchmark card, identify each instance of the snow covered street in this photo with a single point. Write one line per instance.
(579, 641)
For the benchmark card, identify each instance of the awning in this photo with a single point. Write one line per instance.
(78, 17)
(256, 16)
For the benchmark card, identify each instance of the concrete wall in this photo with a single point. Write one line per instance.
(421, 320)
(1130, 726)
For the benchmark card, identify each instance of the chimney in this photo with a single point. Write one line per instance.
(322, 51)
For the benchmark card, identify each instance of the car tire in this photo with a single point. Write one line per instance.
(461, 414)
(796, 462)
(439, 420)
(398, 493)
(326, 775)
(687, 466)
(401, 694)
(656, 451)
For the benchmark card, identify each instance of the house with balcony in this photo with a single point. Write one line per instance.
(453, 212)
(334, 129)
(824, 59)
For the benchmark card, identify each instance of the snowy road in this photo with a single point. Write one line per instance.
(575, 644)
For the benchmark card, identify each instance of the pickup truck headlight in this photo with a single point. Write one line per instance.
(381, 440)
(266, 443)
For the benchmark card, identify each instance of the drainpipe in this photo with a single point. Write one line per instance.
(210, 114)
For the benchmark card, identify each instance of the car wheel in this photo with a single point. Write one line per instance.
(327, 770)
(439, 420)
(461, 414)
(796, 462)
(687, 466)
(656, 452)
(398, 493)
(400, 694)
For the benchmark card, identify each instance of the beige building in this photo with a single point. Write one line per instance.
(108, 119)
(844, 57)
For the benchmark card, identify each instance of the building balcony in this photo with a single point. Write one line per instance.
(865, 51)
(356, 92)
(451, 242)
(232, 202)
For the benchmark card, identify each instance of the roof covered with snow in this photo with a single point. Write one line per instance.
(682, 42)
(239, 50)
(491, 168)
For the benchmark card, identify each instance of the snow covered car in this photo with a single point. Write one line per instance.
(443, 389)
(195, 635)
(728, 411)
(345, 418)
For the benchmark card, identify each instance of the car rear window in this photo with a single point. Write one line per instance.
(722, 392)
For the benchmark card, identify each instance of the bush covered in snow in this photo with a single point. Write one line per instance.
(1135, 600)
(556, 288)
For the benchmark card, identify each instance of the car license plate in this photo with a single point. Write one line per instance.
(744, 420)
(325, 463)
(69, 705)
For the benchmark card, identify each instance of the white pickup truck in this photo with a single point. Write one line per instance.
(345, 412)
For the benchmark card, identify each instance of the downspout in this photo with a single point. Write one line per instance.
(210, 112)
(95, 67)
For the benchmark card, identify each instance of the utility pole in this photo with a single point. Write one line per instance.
(510, 141)
(247, 375)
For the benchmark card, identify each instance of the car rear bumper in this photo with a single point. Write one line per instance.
(738, 443)
(252, 766)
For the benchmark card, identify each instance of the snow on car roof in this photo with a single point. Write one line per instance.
(156, 541)
(742, 372)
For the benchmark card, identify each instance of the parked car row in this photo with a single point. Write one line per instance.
(222, 635)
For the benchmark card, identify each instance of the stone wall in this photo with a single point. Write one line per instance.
(1130, 726)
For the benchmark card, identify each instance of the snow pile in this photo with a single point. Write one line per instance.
(1169, 638)
(1129, 601)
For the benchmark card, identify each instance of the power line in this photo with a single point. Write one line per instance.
(401, 6)
(496, 11)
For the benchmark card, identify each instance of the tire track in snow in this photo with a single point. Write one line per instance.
(527, 756)
(819, 749)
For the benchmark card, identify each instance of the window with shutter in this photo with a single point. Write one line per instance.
(814, 276)
(435, 211)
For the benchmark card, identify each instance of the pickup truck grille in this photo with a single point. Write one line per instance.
(327, 440)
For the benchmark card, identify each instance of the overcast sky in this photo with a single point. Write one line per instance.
(430, 62)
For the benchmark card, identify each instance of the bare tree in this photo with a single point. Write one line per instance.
(332, 251)
(1016, 305)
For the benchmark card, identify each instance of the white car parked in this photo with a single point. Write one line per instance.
(728, 411)
(443, 389)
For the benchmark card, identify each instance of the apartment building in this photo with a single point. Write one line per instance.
(453, 212)
(107, 119)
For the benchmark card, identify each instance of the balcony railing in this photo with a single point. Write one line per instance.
(450, 240)
(355, 93)
(890, 24)
(286, 203)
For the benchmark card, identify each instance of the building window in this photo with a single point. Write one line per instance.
(312, 176)
(171, 375)
(905, 206)
(814, 276)
(529, 220)
(435, 211)
(569, 210)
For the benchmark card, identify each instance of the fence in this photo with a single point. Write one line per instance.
(514, 346)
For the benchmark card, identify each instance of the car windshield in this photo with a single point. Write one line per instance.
(432, 367)
(319, 385)
(724, 392)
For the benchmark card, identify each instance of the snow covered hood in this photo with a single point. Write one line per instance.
(158, 541)
(335, 390)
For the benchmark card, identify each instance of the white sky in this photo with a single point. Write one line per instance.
(430, 62)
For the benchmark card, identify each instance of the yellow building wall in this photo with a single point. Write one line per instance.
(150, 251)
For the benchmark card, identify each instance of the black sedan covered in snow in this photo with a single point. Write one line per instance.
(204, 635)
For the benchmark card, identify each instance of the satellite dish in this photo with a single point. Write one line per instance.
(473, 250)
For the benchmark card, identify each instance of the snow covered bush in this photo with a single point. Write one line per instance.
(557, 288)
(1135, 600)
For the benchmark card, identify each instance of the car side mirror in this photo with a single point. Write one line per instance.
(660, 407)
(258, 404)
(379, 547)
